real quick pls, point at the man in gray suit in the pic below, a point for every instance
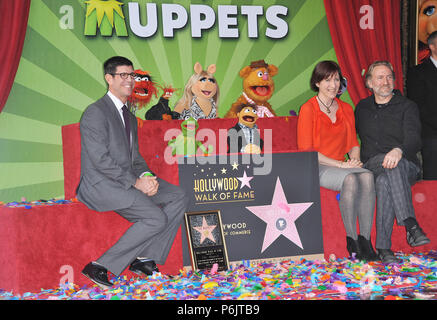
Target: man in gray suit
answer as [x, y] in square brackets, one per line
[115, 177]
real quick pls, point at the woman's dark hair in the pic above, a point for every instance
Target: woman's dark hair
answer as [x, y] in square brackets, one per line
[111, 64]
[323, 70]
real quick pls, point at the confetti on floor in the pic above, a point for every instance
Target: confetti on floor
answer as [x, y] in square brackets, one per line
[341, 279]
[30, 204]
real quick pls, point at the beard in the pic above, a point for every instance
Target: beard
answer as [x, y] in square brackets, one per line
[384, 91]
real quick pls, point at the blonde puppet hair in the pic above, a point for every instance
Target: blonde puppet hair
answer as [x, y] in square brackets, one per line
[187, 97]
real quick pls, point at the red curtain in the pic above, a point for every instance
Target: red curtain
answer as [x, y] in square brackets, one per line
[13, 18]
[357, 47]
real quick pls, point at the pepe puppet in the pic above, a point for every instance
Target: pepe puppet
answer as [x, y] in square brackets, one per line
[161, 110]
[258, 88]
[244, 136]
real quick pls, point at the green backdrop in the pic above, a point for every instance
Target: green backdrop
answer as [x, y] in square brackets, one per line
[60, 74]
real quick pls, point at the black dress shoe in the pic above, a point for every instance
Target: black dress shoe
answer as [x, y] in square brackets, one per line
[387, 256]
[145, 268]
[97, 274]
[366, 248]
[416, 237]
[353, 248]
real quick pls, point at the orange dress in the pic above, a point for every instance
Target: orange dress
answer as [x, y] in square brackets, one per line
[315, 131]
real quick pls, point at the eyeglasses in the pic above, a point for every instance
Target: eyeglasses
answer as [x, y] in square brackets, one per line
[124, 75]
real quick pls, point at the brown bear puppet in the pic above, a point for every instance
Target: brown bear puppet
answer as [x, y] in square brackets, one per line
[258, 87]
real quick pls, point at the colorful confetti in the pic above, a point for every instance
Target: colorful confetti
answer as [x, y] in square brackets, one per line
[341, 279]
[30, 204]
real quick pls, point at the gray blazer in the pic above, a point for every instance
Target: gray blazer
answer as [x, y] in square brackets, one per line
[109, 168]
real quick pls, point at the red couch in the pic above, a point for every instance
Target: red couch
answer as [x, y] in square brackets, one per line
[46, 245]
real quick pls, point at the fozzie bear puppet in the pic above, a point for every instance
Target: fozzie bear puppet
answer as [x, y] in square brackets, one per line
[258, 88]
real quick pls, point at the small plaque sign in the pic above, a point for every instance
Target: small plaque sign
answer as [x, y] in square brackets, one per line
[205, 240]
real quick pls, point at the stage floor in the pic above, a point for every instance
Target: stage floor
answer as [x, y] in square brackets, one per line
[339, 279]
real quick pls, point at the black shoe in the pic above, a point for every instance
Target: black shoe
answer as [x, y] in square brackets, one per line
[416, 237]
[97, 274]
[145, 268]
[353, 248]
[387, 256]
[366, 248]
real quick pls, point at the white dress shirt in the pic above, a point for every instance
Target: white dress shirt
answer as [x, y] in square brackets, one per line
[118, 104]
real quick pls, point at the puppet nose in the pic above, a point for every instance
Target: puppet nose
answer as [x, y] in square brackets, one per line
[265, 76]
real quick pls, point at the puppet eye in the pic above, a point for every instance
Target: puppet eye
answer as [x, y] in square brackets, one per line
[260, 74]
[254, 111]
[137, 79]
[429, 11]
[145, 79]
[247, 110]
[211, 80]
[187, 117]
[203, 79]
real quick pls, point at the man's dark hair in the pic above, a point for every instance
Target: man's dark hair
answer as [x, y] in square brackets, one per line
[244, 105]
[432, 37]
[111, 64]
[323, 70]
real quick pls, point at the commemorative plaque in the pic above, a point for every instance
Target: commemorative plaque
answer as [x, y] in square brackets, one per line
[205, 240]
[267, 215]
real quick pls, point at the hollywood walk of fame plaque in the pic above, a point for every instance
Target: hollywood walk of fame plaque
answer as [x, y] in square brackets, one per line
[268, 215]
[205, 240]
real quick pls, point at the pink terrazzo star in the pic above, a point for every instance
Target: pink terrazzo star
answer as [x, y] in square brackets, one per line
[205, 231]
[280, 217]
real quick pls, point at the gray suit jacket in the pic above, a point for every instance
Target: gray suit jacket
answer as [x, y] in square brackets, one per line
[109, 168]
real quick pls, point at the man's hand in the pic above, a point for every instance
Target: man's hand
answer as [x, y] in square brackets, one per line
[392, 158]
[148, 185]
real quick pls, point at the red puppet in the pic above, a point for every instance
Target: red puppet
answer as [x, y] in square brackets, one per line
[161, 110]
[143, 91]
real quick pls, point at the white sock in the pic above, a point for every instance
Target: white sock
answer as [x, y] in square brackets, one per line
[144, 259]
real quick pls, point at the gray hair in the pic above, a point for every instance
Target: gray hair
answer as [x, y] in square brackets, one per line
[373, 66]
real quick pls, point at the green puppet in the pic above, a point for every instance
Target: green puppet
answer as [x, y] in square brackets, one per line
[186, 143]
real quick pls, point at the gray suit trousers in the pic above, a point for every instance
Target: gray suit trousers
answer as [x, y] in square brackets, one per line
[156, 221]
[393, 193]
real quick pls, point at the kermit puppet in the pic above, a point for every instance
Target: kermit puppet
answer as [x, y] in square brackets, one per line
[186, 143]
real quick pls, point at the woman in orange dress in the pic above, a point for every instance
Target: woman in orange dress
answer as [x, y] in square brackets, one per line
[327, 125]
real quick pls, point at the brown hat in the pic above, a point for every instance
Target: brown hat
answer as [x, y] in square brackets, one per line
[258, 64]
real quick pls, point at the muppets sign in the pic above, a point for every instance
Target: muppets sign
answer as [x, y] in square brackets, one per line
[107, 15]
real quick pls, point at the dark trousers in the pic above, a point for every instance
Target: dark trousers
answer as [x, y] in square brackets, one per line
[156, 221]
[429, 157]
[393, 194]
